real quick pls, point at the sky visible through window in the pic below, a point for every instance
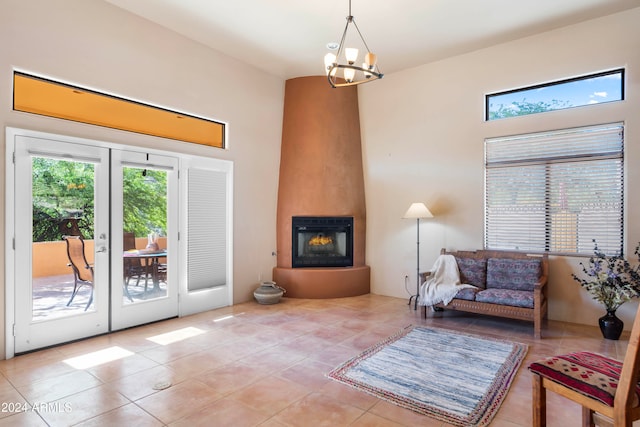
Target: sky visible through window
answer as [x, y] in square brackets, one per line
[589, 90]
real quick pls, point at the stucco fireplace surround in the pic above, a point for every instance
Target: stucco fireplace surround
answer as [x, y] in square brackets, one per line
[321, 175]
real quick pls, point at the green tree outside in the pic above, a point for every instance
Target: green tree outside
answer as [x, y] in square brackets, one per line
[524, 107]
[145, 202]
[62, 194]
[63, 201]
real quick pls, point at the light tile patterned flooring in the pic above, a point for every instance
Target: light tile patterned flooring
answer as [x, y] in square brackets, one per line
[259, 365]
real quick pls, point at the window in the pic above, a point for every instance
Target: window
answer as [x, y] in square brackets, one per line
[576, 92]
[555, 191]
[37, 95]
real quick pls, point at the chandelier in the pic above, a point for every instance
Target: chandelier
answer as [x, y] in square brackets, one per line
[346, 59]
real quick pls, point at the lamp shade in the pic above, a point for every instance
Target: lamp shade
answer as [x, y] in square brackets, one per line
[417, 210]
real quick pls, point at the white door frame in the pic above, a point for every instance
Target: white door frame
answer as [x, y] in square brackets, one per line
[11, 133]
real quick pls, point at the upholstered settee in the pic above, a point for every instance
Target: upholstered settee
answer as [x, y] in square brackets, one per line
[506, 284]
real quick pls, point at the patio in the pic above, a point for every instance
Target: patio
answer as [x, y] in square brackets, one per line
[51, 295]
[53, 281]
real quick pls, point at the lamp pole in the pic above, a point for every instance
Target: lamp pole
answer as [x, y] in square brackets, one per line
[415, 306]
[417, 211]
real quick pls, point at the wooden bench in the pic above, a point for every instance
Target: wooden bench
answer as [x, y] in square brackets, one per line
[509, 284]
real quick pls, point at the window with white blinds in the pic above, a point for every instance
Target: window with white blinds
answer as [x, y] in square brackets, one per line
[556, 192]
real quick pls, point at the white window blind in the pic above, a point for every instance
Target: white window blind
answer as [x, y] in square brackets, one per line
[207, 243]
[556, 191]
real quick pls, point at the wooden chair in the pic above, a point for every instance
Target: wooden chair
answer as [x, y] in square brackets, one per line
[601, 385]
[82, 270]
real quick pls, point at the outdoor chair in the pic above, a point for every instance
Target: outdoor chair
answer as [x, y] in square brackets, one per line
[161, 271]
[603, 386]
[82, 270]
[133, 268]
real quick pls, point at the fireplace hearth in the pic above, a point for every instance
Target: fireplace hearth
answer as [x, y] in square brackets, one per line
[321, 241]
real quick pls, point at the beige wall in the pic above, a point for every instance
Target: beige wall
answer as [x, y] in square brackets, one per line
[423, 133]
[94, 44]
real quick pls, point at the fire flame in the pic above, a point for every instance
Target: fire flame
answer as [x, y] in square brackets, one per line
[320, 240]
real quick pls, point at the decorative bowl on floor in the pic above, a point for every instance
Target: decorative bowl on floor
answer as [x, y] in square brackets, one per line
[268, 293]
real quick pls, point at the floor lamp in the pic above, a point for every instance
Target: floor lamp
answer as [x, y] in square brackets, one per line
[417, 211]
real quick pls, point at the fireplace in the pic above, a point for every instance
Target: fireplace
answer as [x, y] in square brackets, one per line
[321, 176]
[319, 241]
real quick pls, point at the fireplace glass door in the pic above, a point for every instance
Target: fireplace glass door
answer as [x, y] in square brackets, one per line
[322, 242]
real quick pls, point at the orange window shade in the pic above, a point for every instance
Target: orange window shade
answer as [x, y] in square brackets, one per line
[49, 98]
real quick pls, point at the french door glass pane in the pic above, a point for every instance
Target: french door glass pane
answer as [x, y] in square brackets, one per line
[63, 205]
[144, 234]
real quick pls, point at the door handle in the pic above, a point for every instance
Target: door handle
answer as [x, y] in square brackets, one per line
[102, 249]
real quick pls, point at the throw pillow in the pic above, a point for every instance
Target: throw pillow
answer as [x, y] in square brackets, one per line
[518, 274]
[473, 271]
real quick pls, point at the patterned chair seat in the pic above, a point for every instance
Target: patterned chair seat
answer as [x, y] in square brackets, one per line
[589, 374]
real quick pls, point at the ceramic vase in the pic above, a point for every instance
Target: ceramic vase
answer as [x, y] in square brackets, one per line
[152, 242]
[610, 325]
[268, 293]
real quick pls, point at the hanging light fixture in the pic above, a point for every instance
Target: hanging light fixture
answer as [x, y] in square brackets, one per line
[346, 59]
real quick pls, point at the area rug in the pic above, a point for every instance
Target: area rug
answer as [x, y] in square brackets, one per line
[458, 378]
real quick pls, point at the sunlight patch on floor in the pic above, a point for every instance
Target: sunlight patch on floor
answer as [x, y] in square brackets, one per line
[177, 335]
[220, 319]
[99, 357]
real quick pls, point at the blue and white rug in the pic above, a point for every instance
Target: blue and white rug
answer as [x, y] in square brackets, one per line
[454, 377]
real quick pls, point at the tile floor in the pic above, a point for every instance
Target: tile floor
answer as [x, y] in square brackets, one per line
[257, 365]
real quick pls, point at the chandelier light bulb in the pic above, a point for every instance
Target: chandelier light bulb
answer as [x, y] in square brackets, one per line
[329, 60]
[351, 54]
[366, 67]
[370, 59]
[349, 74]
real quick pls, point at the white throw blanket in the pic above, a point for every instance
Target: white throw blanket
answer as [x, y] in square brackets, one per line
[443, 284]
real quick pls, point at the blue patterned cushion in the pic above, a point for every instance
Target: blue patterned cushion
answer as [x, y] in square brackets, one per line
[473, 271]
[468, 294]
[506, 297]
[519, 274]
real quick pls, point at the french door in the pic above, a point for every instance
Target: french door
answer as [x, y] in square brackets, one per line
[144, 194]
[94, 194]
[60, 189]
[154, 245]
